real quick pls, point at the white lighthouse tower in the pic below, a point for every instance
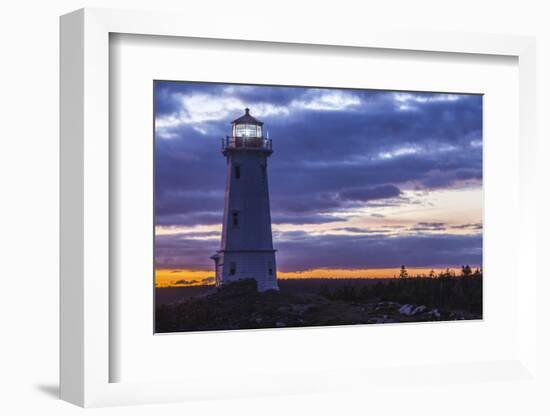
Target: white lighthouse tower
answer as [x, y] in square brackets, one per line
[247, 245]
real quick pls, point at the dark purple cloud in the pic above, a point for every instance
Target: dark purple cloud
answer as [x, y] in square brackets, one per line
[368, 194]
[305, 219]
[429, 226]
[182, 252]
[473, 226]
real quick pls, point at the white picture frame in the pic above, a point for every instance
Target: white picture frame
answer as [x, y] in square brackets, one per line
[85, 219]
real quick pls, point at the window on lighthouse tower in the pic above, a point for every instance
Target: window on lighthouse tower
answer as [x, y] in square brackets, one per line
[235, 218]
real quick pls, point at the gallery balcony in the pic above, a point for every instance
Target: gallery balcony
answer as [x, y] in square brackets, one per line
[246, 143]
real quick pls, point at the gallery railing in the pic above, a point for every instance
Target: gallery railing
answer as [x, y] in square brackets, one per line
[244, 142]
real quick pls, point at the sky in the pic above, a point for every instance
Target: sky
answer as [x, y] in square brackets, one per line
[361, 181]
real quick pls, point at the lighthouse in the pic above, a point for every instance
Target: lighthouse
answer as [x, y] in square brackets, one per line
[246, 250]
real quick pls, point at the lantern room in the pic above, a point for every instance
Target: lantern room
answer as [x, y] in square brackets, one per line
[247, 134]
[247, 126]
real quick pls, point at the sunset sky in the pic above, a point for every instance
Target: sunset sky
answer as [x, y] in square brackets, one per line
[360, 181]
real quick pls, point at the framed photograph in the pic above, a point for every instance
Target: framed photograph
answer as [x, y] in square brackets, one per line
[304, 214]
[341, 207]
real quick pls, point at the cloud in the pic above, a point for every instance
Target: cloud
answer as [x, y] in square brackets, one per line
[186, 282]
[471, 226]
[176, 251]
[198, 110]
[407, 101]
[326, 100]
[405, 97]
[305, 219]
[368, 194]
[191, 219]
[429, 226]
[400, 151]
[362, 230]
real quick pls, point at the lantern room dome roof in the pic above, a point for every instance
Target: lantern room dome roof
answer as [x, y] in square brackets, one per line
[247, 119]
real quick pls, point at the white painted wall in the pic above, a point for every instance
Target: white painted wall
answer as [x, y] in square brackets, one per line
[29, 210]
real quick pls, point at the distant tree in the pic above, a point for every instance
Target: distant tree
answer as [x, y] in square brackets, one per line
[446, 274]
[477, 273]
[403, 274]
[432, 274]
[466, 271]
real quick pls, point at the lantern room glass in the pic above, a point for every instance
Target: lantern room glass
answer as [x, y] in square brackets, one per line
[247, 130]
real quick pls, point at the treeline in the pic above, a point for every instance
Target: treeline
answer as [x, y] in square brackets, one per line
[445, 290]
[466, 271]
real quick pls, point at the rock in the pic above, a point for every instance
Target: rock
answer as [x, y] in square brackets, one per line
[419, 309]
[300, 309]
[411, 310]
[239, 288]
[406, 309]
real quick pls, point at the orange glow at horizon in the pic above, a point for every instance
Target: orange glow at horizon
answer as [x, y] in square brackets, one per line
[179, 277]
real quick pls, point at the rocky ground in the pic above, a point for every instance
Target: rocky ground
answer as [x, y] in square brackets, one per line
[240, 306]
